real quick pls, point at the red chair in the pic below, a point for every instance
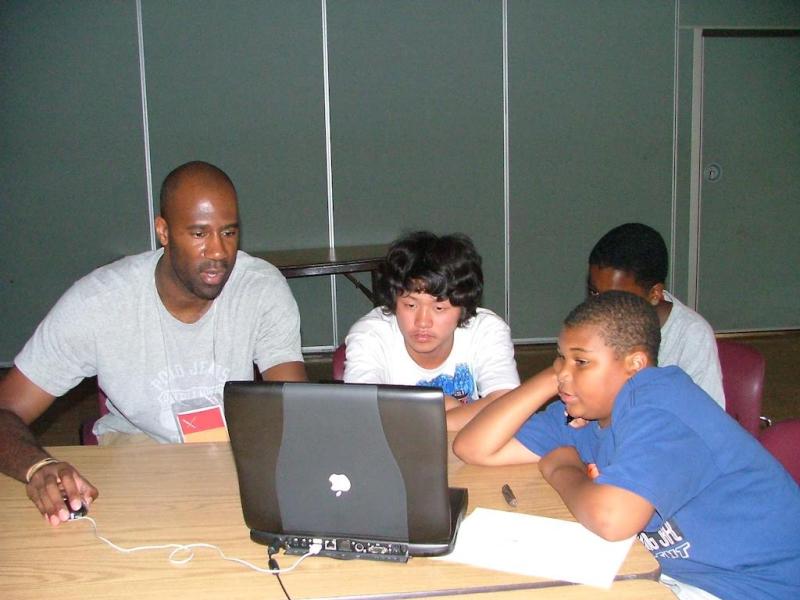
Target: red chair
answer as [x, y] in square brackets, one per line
[782, 439]
[743, 383]
[339, 357]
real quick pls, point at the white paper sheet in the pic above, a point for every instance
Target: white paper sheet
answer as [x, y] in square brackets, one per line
[537, 546]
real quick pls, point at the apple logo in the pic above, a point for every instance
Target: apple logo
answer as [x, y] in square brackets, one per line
[339, 483]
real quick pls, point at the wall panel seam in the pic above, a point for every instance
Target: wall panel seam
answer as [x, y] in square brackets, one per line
[675, 108]
[145, 125]
[695, 170]
[506, 175]
[328, 166]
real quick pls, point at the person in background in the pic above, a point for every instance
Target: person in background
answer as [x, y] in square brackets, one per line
[657, 457]
[429, 330]
[162, 331]
[633, 258]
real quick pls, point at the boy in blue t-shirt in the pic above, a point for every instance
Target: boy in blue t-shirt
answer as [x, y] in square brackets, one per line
[658, 458]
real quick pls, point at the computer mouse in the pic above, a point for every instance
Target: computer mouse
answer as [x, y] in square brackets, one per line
[75, 514]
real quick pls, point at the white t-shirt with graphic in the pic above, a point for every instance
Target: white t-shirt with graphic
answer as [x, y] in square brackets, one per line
[480, 362]
[112, 324]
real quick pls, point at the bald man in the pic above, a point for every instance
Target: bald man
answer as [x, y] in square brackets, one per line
[162, 331]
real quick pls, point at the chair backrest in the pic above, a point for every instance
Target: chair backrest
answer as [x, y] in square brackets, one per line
[782, 439]
[339, 356]
[743, 382]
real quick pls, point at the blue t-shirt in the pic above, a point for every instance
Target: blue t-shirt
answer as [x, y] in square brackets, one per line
[727, 515]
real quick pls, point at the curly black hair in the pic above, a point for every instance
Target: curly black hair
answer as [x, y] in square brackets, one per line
[447, 267]
[626, 321]
[635, 248]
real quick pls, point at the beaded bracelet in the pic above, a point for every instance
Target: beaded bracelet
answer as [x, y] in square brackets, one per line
[38, 465]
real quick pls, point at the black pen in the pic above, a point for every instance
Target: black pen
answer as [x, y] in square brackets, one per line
[508, 494]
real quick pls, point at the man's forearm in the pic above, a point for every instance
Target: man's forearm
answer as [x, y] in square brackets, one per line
[18, 446]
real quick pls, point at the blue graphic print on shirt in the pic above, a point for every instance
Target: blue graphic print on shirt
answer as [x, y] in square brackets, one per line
[460, 385]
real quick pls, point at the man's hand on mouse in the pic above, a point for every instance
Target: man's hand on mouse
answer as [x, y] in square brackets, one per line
[58, 488]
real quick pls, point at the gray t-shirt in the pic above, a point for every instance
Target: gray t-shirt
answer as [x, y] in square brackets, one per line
[112, 324]
[687, 340]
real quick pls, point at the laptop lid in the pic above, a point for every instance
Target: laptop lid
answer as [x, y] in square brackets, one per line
[361, 468]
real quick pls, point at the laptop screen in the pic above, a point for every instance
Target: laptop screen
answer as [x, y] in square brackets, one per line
[347, 463]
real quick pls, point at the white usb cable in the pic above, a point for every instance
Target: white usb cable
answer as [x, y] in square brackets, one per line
[315, 548]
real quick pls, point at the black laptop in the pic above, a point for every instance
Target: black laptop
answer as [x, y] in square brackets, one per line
[360, 469]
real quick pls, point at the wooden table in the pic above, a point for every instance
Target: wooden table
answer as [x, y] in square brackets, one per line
[189, 493]
[343, 260]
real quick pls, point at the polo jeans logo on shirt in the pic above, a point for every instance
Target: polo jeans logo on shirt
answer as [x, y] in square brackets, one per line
[199, 378]
[162, 380]
[667, 542]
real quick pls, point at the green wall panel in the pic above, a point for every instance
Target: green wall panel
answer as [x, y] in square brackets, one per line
[416, 126]
[243, 89]
[749, 246]
[739, 13]
[591, 120]
[72, 176]
[416, 109]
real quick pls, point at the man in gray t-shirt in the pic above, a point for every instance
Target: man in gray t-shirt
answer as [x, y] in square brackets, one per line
[162, 331]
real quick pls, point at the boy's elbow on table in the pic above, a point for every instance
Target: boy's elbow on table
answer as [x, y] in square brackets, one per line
[615, 522]
[470, 452]
[613, 532]
[464, 450]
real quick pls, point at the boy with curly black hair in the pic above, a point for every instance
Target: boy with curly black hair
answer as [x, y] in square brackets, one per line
[429, 330]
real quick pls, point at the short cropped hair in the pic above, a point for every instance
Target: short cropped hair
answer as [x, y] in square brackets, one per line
[192, 168]
[627, 322]
[635, 248]
[447, 267]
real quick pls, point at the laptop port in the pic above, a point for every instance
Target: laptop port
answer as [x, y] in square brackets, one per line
[330, 544]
